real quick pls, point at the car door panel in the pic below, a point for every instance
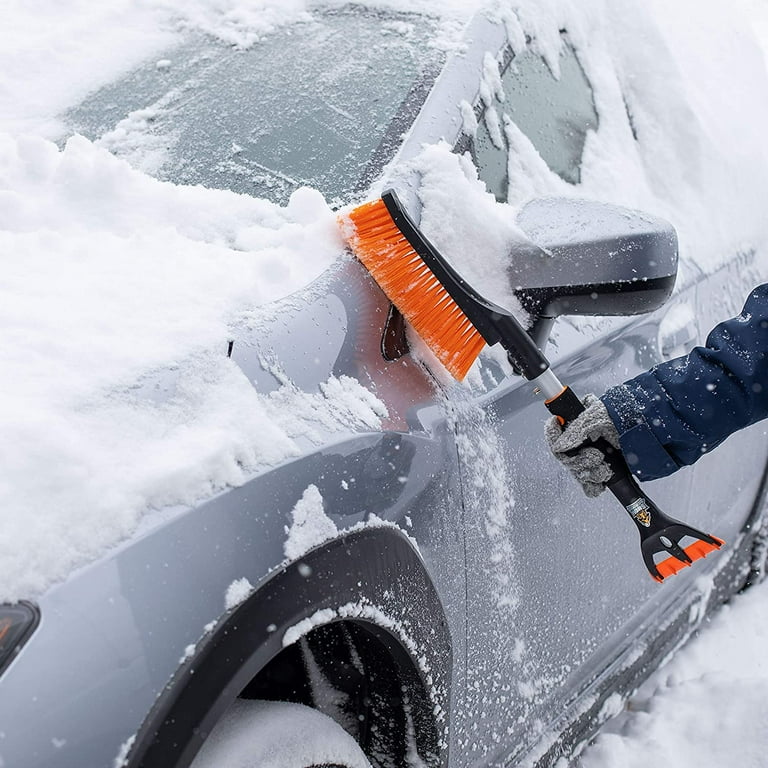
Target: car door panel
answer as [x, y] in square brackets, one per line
[556, 581]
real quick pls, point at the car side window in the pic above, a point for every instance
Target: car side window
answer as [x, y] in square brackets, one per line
[554, 113]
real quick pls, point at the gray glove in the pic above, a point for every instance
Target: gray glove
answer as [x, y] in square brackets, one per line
[571, 445]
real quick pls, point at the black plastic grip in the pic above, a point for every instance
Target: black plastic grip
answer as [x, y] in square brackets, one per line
[622, 485]
[566, 405]
[521, 350]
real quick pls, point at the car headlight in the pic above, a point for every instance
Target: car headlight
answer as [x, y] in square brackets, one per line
[17, 622]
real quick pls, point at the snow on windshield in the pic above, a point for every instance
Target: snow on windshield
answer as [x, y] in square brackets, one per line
[263, 121]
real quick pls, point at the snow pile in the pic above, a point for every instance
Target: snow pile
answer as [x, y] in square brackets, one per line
[707, 708]
[238, 22]
[277, 734]
[244, 23]
[111, 280]
[312, 415]
[466, 224]
[237, 592]
[53, 53]
[310, 525]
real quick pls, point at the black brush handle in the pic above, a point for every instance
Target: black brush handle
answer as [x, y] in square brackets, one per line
[526, 357]
[659, 534]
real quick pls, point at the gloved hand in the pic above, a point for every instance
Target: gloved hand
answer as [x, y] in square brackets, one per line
[571, 445]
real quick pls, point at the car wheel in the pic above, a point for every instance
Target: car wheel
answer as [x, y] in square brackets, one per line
[277, 734]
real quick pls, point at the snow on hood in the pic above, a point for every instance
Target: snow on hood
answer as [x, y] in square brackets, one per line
[109, 276]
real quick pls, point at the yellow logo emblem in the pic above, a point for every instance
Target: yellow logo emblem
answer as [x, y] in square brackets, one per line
[641, 512]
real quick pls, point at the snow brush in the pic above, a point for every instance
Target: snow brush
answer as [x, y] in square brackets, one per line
[456, 323]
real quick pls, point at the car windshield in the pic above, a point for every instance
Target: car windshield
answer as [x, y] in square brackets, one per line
[322, 103]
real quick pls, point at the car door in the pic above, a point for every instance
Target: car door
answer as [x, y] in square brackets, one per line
[556, 586]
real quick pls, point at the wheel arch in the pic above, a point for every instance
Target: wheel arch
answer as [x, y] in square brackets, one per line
[372, 577]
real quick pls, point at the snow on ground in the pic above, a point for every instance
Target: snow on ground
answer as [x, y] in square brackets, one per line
[109, 276]
[705, 709]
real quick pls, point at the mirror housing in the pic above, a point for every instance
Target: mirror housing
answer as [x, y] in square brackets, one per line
[593, 258]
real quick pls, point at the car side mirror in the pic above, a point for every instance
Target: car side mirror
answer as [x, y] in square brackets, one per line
[591, 258]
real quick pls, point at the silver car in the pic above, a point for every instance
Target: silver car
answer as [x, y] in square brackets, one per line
[432, 590]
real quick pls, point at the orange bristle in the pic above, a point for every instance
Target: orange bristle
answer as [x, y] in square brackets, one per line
[412, 288]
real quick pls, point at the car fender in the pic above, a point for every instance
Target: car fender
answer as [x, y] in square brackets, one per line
[372, 575]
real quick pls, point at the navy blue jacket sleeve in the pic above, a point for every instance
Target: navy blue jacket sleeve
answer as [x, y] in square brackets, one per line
[670, 415]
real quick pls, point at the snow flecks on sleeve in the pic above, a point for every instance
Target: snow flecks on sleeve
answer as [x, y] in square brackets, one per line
[310, 525]
[237, 592]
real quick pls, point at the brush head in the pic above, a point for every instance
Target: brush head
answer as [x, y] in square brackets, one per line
[412, 287]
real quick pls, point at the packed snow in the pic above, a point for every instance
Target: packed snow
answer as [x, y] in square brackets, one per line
[277, 735]
[111, 278]
[237, 592]
[117, 279]
[310, 525]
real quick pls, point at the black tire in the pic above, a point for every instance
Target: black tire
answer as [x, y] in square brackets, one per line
[276, 734]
